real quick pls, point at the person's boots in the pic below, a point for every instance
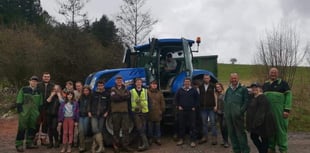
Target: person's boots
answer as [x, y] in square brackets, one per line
[82, 142]
[69, 148]
[271, 151]
[214, 140]
[99, 141]
[116, 144]
[145, 144]
[125, 146]
[20, 148]
[157, 141]
[204, 139]
[116, 148]
[150, 141]
[56, 144]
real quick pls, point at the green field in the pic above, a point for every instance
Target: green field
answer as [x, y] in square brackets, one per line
[300, 113]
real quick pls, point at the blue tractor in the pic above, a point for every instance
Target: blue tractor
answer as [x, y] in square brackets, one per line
[146, 62]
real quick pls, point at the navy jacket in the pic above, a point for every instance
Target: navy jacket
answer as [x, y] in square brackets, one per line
[187, 99]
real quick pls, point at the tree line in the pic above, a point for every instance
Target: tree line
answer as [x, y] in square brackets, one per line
[32, 42]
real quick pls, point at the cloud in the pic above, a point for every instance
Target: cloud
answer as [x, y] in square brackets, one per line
[227, 28]
[301, 7]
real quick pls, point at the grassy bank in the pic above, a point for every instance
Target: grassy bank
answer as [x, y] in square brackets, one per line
[300, 113]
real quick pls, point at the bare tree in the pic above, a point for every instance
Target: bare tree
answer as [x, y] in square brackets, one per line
[134, 24]
[281, 49]
[72, 10]
[233, 60]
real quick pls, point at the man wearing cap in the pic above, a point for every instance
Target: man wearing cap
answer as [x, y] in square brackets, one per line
[29, 100]
[236, 99]
[120, 106]
[279, 95]
[259, 119]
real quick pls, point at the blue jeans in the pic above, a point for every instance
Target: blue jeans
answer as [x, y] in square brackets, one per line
[205, 114]
[154, 129]
[97, 124]
[83, 125]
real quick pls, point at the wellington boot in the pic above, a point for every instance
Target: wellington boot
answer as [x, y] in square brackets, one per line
[99, 140]
[20, 149]
[145, 144]
[82, 143]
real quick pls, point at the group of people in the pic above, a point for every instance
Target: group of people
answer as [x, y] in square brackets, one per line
[65, 114]
[262, 110]
[267, 109]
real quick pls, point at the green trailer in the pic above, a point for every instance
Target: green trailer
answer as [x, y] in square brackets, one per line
[206, 63]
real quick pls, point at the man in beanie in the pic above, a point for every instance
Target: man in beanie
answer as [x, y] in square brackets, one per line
[29, 101]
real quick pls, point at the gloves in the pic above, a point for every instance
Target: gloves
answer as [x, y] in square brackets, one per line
[19, 108]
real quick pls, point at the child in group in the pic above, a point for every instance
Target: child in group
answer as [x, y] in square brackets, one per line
[68, 116]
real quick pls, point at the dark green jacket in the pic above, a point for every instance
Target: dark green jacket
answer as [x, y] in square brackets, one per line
[236, 100]
[29, 101]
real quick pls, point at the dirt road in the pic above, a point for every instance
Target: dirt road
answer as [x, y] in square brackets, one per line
[298, 143]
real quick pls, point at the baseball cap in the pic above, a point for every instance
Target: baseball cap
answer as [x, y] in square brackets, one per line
[34, 78]
[255, 84]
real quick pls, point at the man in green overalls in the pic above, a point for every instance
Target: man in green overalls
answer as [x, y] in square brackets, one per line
[280, 97]
[236, 99]
[29, 100]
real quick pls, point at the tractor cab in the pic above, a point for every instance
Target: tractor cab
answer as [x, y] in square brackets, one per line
[164, 59]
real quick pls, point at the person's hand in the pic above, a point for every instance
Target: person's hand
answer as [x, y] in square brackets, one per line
[105, 114]
[53, 93]
[215, 109]
[19, 108]
[286, 114]
[75, 124]
[193, 109]
[59, 128]
[180, 108]
[89, 114]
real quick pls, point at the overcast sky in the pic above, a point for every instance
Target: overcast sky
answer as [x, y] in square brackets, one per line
[228, 28]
